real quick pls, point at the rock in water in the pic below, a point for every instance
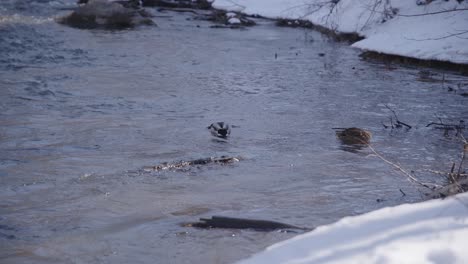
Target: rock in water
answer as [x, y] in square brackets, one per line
[105, 14]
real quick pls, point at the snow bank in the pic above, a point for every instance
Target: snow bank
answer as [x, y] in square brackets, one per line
[386, 27]
[435, 231]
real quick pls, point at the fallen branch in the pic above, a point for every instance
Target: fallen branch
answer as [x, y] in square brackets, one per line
[398, 123]
[458, 180]
[242, 223]
[184, 164]
[433, 13]
[447, 127]
[445, 173]
[402, 192]
[465, 150]
[448, 190]
[411, 178]
[462, 32]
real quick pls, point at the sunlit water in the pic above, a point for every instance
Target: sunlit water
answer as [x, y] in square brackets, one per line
[82, 111]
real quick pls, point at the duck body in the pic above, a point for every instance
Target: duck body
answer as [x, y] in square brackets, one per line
[353, 135]
[220, 129]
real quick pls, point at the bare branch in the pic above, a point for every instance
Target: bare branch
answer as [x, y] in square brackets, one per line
[465, 150]
[434, 13]
[449, 189]
[445, 173]
[430, 186]
[443, 37]
[398, 123]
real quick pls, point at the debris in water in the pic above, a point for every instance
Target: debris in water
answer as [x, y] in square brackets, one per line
[242, 223]
[183, 164]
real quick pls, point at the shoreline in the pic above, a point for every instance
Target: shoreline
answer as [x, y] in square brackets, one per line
[409, 233]
[295, 19]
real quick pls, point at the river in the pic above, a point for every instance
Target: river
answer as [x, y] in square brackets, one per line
[82, 111]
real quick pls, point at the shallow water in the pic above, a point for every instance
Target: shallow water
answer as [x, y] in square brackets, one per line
[82, 111]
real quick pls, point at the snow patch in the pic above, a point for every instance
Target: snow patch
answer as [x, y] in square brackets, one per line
[230, 14]
[435, 231]
[234, 20]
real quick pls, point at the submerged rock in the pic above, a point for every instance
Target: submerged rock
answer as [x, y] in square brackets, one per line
[105, 14]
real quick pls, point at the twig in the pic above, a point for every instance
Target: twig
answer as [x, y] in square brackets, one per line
[465, 150]
[402, 192]
[430, 186]
[237, 4]
[455, 179]
[435, 13]
[398, 122]
[452, 178]
[449, 189]
[463, 32]
[445, 173]
[428, 14]
[404, 124]
[458, 128]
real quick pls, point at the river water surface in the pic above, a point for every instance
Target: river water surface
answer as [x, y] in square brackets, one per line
[82, 111]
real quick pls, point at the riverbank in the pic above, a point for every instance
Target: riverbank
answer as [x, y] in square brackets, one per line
[402, 28]
[435, 231]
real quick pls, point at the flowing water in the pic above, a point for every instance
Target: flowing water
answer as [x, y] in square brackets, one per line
[82, 111]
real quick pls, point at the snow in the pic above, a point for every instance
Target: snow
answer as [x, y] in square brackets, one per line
[385, 27]
[435, 232]
[230, 14]
[234, 20]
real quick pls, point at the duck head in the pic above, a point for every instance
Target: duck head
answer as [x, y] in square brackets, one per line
[220, 129]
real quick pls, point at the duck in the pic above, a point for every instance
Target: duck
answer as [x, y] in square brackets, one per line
[220, 129]
[353, 135]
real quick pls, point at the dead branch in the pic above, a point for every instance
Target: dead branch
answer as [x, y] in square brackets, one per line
[465, 150]
[242, 223]
[237, 4]
[317, 6]
[402, 192]
[395, 13]
[462, 32]
[434, 13]
[446, 174]
[458, 180]
[388, 11]
[449, 189]
[398, 123]
[447, 127]
[411, 178]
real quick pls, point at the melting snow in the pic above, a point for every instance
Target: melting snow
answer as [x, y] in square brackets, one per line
[435, 232]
